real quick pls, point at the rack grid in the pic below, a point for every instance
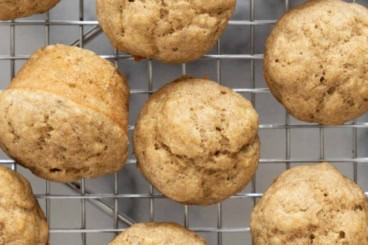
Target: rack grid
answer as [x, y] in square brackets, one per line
[110, 202]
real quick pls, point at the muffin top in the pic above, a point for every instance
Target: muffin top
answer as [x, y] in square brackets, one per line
[157, 234]
[168, 31]
[197, 141]
[316, 61]
[23, 8]
[311, 204]
[80, 76]
[21, 219]
[65, 115]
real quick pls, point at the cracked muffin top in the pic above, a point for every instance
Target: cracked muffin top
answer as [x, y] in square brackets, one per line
[165, 30]
[65, 115]
[157, 234]
[311, 204]
[21, 218]
[316, 61]
[197, 141]
[23, 8]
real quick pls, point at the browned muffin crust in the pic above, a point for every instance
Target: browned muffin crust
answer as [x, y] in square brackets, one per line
[316, 61]
[197, 141]
[13, 9]
[65, 115]
[158, 234]
[21, 218]
[311, 204]
[168, 31]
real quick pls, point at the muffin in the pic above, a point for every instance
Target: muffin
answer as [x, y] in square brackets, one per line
[65, 115]
[316, 61]
[23, 8]
[21, 218]
[312, 204]
[197, 141]
[168, 31]
[157, 233]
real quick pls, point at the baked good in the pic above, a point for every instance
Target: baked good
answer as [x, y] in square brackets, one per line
[315, 61]
[157, 233]
[65, 115]
[21, 218]
[23, 8]
[197, 141]
[311, 204]
[168, 31]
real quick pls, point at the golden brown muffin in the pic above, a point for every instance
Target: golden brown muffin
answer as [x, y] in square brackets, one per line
[312, 204]
[197, 141]
[157, 234]
[316, 61]
[168, 31]
[21, 218]
[65, 115]
[23, 8]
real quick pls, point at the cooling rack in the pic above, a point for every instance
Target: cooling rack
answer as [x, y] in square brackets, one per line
[94, 211]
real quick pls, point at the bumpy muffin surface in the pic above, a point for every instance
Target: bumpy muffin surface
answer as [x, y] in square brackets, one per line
[65, 115]
[311, 204]
[157, 234]
[23, 8]
[21, 218]
[165, 30]
[197, 142]
[316, 61]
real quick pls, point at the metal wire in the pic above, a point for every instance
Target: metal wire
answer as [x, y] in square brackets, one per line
[96, 198]
[83, 182]
[87, 23]
[129, 57]
[115, 216]
[48, 184]
[151, 189]
[196, 229]
[219, 206]
[262, 160]
[186, 207]
[103, 200]
[287, 118]
[253, 78]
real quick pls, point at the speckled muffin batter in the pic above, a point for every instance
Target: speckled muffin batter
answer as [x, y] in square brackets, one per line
[65, 115]
[311, 204]
[21, 218]
[165, 30]
[316, 61]
[197, 141]
[12, 9]
[157, 234]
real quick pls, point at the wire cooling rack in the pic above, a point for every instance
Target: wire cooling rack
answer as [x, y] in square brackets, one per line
[94, 211]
